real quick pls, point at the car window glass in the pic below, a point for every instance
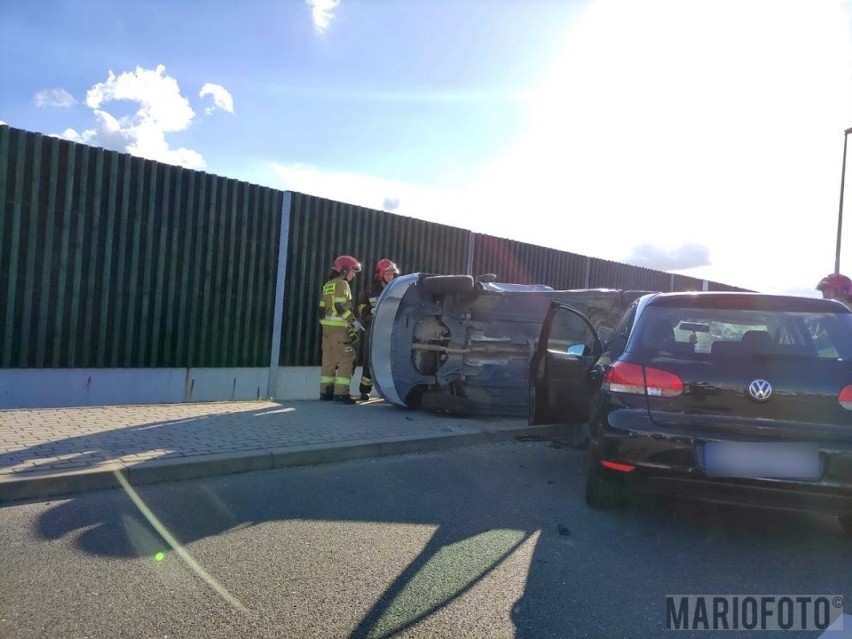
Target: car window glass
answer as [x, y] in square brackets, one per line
[822, 340]
[701, 332]
[567, 331]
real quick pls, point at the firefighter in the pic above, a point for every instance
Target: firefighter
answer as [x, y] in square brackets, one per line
[836, 287]
[385, 272]
[339, 335]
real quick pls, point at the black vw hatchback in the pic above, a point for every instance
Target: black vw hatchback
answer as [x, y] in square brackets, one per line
[733, 397]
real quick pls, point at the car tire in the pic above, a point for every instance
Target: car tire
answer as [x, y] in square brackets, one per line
[447, 284]
[845, 522]
[604, 492]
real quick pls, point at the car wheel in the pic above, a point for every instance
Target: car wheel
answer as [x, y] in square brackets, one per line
[845, 521]
[604, 492]
[447, 284]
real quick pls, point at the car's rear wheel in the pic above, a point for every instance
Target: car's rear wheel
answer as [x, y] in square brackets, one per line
[845, 521]
[603, 491]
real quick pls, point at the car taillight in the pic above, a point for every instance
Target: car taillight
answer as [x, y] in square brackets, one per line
[626, 377]
[662, 383]
[845, 397]
[622, 468]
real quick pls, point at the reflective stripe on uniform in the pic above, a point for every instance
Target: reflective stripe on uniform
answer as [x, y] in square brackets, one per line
[326, 379]
[335, 306]
[342, 380]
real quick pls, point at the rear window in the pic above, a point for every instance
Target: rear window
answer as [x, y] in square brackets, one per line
[707, 332]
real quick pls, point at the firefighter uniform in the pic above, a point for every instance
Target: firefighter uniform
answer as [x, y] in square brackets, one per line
[366, 304]
[338, 338]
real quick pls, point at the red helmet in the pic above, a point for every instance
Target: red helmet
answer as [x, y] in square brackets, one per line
[345, 264]
[384, 265]
[841, 283]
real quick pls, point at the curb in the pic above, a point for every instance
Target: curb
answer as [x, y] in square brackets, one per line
[105, 476]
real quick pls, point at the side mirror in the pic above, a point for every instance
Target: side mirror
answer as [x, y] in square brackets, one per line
[580, 350]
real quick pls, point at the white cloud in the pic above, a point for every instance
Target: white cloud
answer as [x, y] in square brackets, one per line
[222, 99]
[162, 109]
[54, 98]
[322, 12]
[158, 95]
[679, 258]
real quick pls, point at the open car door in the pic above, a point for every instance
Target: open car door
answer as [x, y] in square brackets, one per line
[561, 381]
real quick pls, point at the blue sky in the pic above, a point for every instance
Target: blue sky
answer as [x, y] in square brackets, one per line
[695, 137]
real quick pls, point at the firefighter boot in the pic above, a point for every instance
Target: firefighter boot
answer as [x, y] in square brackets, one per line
[328, 394]
[344, 399]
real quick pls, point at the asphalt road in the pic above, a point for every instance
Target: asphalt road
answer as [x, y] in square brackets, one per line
[489, 541]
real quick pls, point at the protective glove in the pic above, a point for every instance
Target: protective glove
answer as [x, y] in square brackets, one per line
[352, 333]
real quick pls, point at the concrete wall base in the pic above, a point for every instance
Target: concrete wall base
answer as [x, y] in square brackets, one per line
[58, 387]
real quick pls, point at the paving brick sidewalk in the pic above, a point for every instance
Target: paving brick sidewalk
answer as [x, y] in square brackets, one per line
[55, 451]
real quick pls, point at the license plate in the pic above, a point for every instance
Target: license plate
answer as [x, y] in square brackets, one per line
[770, 460]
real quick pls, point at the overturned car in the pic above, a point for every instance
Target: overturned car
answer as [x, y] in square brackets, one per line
[463, 345]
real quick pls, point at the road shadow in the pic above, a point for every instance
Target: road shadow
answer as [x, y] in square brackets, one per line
[606, 571]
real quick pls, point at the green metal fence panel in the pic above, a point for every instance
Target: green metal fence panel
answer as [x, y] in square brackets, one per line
[109, 260]
[520, 263]
[725, 288]
[685, 283]
[606, 274]
[322, 229]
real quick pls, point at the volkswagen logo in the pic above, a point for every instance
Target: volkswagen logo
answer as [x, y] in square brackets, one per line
[760, 390]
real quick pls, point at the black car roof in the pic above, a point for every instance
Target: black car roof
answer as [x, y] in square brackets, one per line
[746, 301]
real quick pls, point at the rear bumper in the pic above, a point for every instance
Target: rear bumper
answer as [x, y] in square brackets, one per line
[756, 493]
[671, 462]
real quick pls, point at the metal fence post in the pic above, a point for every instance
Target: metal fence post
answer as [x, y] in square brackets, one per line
[278, 314]
[471, 244]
